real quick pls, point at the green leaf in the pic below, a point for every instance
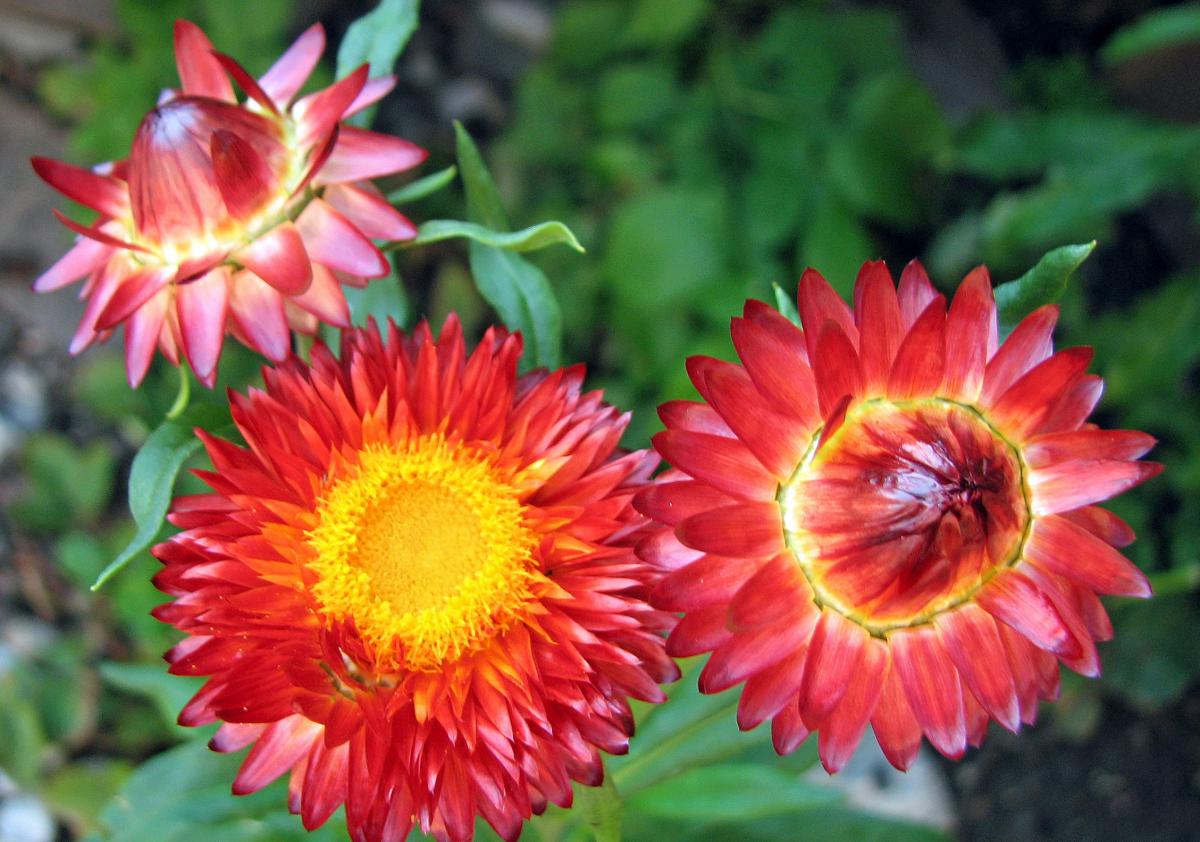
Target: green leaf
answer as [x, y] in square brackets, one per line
[381, 299]
[1043, 284]
[66, 484]
[169, 693]
[182, 795]
[483, 198]
[79, 791]
[694, 730]
[655, 23]
[378, 37]
[786, 305]
[527, 239]
[519, 291]
[423, 187]
[1153, 31]
[152, 478]
[522, 295]
[731, 792]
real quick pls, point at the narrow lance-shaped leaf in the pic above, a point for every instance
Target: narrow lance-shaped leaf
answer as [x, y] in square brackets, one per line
[527, 239]
[423, 187]
[378, 37]
[1043, 284]
[152, 478]
[518, 290]
[786, 305]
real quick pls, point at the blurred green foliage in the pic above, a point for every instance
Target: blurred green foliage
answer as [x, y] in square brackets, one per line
[703, 152]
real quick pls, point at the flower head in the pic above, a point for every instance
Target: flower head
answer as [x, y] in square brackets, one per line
[226, 216]
[415, 589]
[889, 517]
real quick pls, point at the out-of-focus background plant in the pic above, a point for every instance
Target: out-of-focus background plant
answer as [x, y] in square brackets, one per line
[702, 152]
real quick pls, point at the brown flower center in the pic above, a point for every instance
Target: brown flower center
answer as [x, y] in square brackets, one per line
[905, 510]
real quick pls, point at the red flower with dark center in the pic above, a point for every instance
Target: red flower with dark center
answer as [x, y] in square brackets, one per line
[415, 590]
[246, 217]
[889, 517]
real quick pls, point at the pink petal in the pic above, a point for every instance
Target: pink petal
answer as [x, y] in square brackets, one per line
[290, 71]
[895, 727]
[370, 212]
[777, 591]
[1070, 485]
[97, 234]
[102, 193]
[920, 360]
[843, 728]
[710, 580]
[317, 113]
[331, 239]
[787, 729]
[1012, 598]
[141, 335]
[375, 90]
[768, 691]
[1028, 344]
[1023, 406]
[199, 71]
[973, 643]
[280, 259]
[243, 177]
[725, 464]
[915, 293]
[133, 291]
[836, 651]
[202, 305]
[84, 258]
[324, 298]
[881, 327]
[257, 311]
[1086, 445]
[1103, 524]
[361, 154]
[775, 355]
[246, 81]
[838, 372]
[670, 502]
[744, 529]
[971, 332]
[775, 439]
[1062, 547]
[748, 653]
[819, 303]
[282, 745]
[931, 684]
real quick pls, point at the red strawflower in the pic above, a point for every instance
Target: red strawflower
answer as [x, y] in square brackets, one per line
[888, 517]
[415, 589]
[244, 217]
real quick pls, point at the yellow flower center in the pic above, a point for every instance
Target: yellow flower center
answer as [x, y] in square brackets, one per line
[906, 511]
[425, 548]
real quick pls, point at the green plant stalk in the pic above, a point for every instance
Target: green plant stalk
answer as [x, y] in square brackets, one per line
[183, 396]
[602, 808]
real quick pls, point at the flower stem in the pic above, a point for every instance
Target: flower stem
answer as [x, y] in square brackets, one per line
[601, 808]
[183, 396]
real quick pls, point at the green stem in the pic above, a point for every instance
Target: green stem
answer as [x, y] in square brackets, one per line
[304, 344]
[1177, 580]
[601, 807]
[183, 396]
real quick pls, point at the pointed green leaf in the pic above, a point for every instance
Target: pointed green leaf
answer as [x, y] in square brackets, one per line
[731, 792]
[423, 187]
[483, 198]
[152, 478]
[522, 296]
[527, 239]
[1043, 284]
[785, 305]
[377, 38]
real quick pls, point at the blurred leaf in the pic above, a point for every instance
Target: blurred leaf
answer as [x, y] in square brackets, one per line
[587, 31]
[423, 187]
[658, 24]
[693, 730]
[732, 792]
[519, 291]
[1152, 31]
[66, 484]
[377, 38]
[183, 795]
[835, 244]
[169, 693]
[824, 823]
[527, 239]
[523, 297]
[381, 299]
[1151, 661]
[786, 305]
[1043, 284]
[153, 476]
[21, 735]
[484, 205]
[78, 792]
[632, 96]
